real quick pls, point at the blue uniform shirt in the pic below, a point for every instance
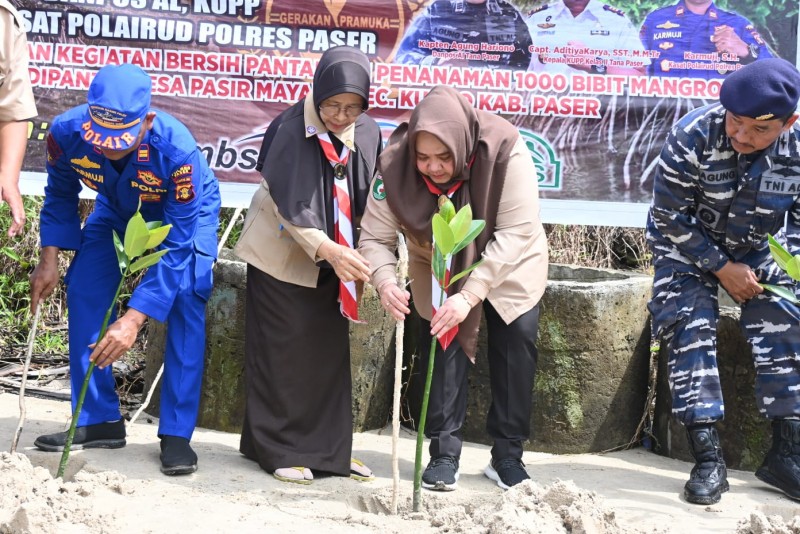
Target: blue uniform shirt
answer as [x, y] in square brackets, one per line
[166, 173]
[683, 40]
[711, 205]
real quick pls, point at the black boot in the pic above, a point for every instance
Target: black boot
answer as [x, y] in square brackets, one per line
[781, 466]
[709, 477]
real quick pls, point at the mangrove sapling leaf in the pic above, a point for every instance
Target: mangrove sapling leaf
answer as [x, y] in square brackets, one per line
[152, 225]
[157, 236]
[139, 237]
[442, 234]
[460, 223]
[136, 236]
[793, 268]
[446, 208]
[781, 256]
[147, 261]
[475, 228]
[438, 265]
[445, 225]
[782, 291]
[464, 273]
[119, 248]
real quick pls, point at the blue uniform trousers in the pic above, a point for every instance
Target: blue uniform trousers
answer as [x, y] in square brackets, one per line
[91, 281]
[685, 315]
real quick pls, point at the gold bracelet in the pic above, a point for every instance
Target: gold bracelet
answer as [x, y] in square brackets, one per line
[464, 296]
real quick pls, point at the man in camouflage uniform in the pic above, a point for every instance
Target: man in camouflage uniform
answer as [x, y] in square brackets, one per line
[729, 175]
[487, 33]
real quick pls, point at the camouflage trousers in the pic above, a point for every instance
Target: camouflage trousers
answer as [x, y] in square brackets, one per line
[685, 313]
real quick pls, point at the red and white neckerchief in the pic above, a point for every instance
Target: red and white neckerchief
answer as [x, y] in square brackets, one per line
[439, 293]
[342, 219]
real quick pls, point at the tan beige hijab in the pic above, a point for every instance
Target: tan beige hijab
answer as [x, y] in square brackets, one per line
[481, 144]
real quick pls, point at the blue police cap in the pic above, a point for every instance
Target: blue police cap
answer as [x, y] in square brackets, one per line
[119, 99]
[763, 90]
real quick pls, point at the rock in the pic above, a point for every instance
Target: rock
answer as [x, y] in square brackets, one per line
[223, 396]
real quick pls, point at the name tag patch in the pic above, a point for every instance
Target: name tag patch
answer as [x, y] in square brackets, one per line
[720, 176]
[779, 185]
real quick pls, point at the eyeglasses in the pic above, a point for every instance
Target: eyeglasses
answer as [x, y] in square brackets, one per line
[332, 110]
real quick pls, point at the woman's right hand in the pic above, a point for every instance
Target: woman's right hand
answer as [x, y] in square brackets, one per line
[347, 262]
[394, 300]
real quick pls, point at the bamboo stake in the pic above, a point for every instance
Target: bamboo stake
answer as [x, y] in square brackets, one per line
[149, 396]
[402, 274]
[22, 408]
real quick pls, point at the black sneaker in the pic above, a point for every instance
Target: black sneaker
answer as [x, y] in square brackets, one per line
[177, 456]
[506, 472]
[99, 436]
[441, 474]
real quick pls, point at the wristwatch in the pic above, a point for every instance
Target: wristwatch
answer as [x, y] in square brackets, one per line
[753, 50]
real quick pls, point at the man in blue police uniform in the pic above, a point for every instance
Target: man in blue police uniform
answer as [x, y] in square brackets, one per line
[585, 35]
[475, 33]
[729, 175]
[696, 39]
[130, 155]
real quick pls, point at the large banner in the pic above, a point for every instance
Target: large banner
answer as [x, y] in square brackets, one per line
[592, 87]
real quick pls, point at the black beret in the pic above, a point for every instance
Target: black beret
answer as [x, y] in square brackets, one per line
[763, 90]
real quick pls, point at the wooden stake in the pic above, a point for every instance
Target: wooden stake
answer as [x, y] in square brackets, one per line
[22, 410]
[402, 274]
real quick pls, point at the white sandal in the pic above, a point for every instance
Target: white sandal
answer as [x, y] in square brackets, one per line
[360, 472]
[296, 475]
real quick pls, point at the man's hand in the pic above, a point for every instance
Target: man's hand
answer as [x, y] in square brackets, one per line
[394, 300]
[726, 40]
[347, 262]
[739, 281]
[119, 338]
[44, 277]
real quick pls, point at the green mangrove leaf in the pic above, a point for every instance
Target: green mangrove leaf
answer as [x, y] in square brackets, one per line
[438, 266]
[464, 273]
[781, 291]
[147, 261]
[475, 228]
[781, 256]
[461, 223]
[443, 235]
[157, 236]
[152, 225]
[793, 268]
[136, 236]
[446, 208]
[119, 248]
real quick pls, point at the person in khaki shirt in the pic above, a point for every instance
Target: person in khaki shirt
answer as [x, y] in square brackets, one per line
[16, 107]
[476, 158]
[317, 159]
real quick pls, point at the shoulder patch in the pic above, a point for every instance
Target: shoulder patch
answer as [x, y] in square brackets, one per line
[378, 191]
[614, 10]
[184, 193]
[540, 8]
[53, 149]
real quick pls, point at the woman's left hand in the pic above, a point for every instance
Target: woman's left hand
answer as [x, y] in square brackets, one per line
[452, 313]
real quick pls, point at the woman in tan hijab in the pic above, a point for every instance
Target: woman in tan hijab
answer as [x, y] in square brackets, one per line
[449, 148]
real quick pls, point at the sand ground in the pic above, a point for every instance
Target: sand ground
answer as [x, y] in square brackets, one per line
[231, 494]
